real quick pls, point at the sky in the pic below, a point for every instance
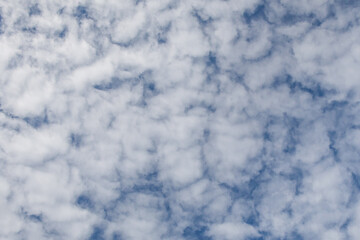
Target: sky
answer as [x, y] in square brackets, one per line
[169, 119]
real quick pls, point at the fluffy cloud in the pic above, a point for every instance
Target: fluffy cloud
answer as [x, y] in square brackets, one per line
[179, 119]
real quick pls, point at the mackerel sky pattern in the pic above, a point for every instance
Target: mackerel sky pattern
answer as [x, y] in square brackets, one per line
[169, 119]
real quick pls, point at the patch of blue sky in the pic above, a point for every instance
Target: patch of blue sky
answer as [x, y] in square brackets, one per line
[333, 137]
[81, 12]
[85, 202]
[149, 90]
[76, 139]
[212, 63]
[348, 3]
[196, 232]
[31, 30]
[149, 188]
[202, 20]
[35, 218]
[113, 84]
[117, 236]
[293, 18]
[335, 106]
[296, 175]
[1, 24]
[255, 15]
[63, 32]
[34, 10]
[293, 133]
[38, 218]
[210, 108]
[162, 35]
[356, 181]
[314, 89]
[37, 121]
[98, 233]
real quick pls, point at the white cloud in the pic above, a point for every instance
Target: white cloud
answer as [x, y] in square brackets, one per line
[231, 231]
[179, 119]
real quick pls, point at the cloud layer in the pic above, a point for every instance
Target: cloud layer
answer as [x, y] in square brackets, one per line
[179, 119]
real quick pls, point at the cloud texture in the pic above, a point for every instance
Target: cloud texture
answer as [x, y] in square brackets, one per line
[166, 119]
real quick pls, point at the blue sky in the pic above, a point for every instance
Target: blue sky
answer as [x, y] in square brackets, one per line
[166, 119]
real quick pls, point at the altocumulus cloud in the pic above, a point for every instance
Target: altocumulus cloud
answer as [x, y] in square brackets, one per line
[167, 119]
